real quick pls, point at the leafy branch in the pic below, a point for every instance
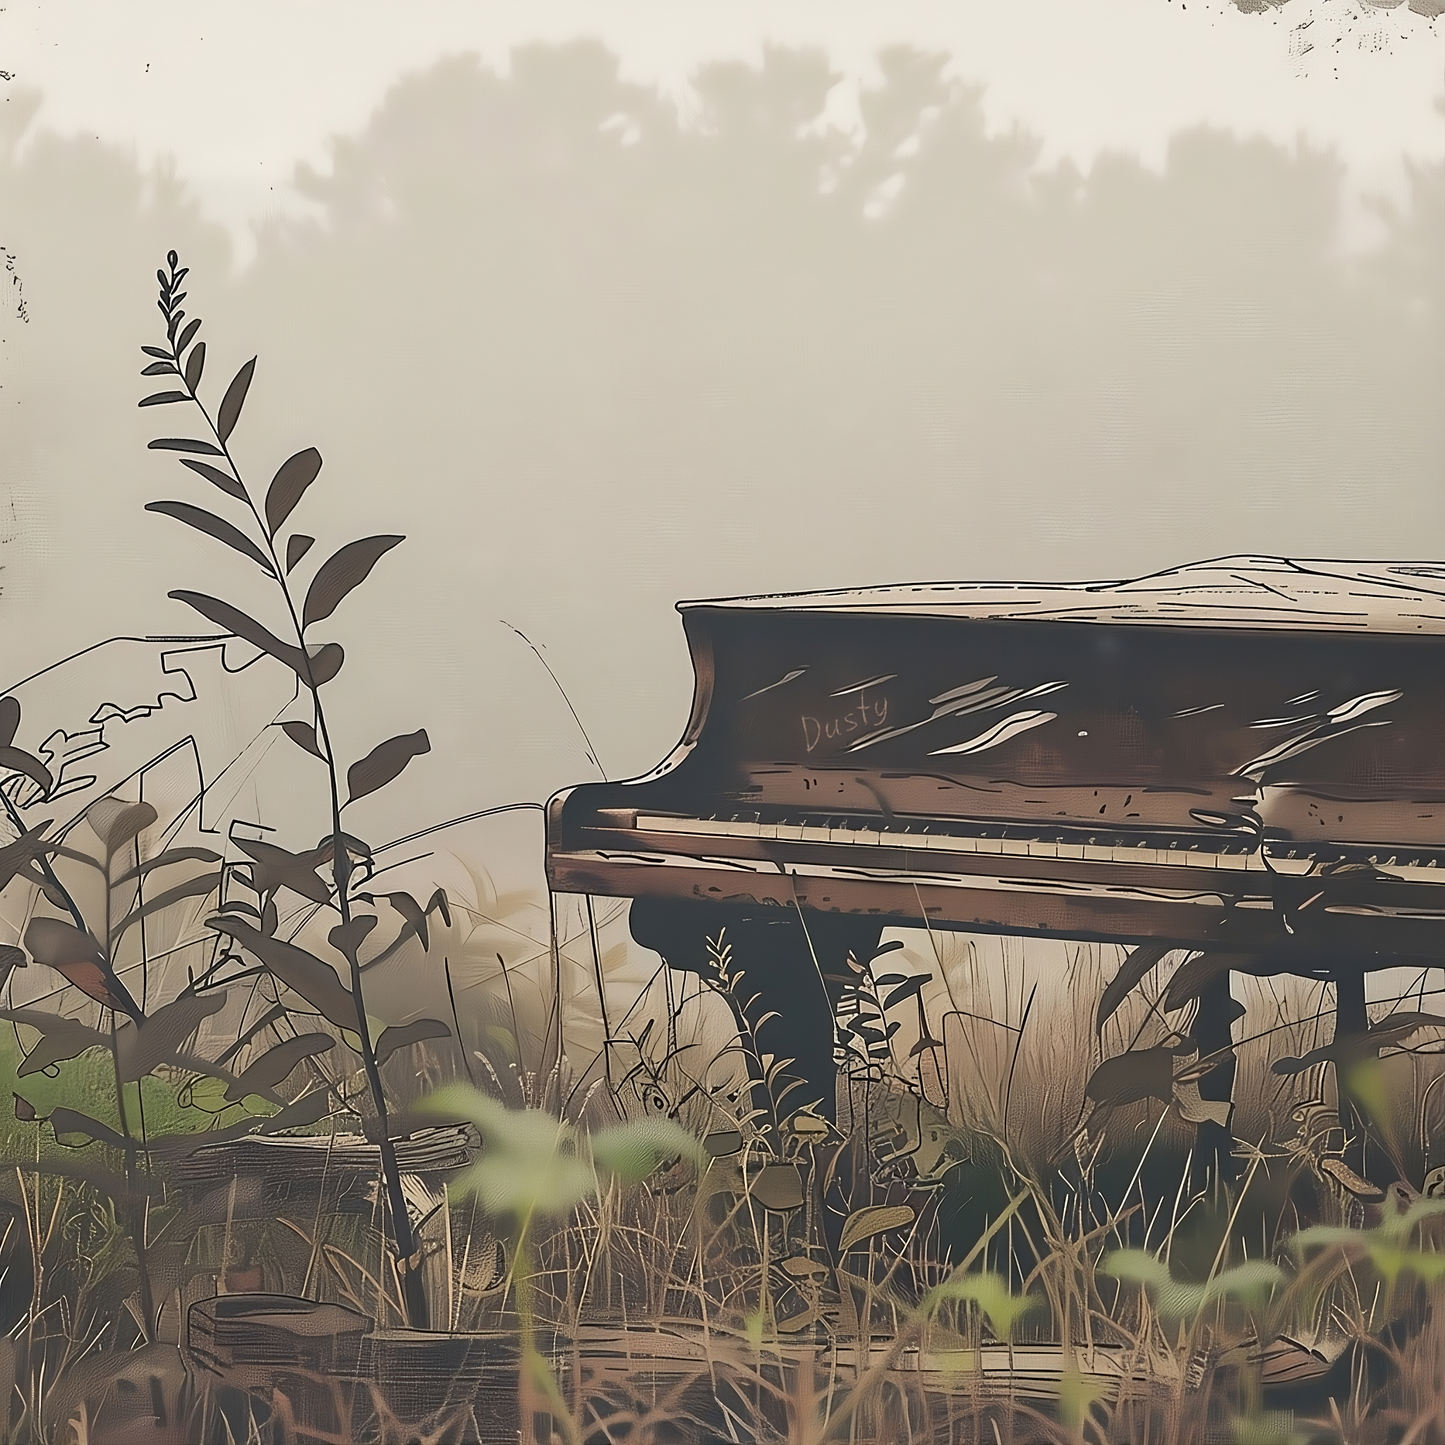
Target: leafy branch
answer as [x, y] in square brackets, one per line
[263, 540]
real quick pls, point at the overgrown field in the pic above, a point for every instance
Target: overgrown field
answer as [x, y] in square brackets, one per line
[564, 1194]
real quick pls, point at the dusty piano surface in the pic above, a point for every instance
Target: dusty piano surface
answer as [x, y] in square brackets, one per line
[1245, 755]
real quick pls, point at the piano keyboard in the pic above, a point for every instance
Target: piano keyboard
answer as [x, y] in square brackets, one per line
[1237, 854]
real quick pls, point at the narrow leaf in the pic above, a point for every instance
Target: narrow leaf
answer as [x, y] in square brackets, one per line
[185, 444]
[217, 527]
[304, 736]
[263, 1074]
[201, 886]
[1138, 1074]
[875, 1219]
[19, 761]
[228, 484]
[140, 1047]
[341, 572]
[437, 903]
[233, 400]
[75, 1130]
[410, 910]
[162, 398]
[1131, 974]
[384, 762]
[61, 1038]
[302, 972]
[157, 351]
[399, 1036]
[307, 1110]
[298, 544]
[159, 368]
[187, 334]
[233, 620]
[288, 486]
[276, 867]
[76, 955]
[9, 720]
[164, 860]
[19, 856]
[195, 364]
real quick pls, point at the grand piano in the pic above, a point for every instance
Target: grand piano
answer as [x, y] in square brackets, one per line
[1244, 756]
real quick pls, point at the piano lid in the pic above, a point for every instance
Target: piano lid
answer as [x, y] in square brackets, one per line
[1252, 593]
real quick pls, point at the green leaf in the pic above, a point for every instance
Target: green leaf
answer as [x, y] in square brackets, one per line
[990, 1293]
[76, 955]
[1174, 1299]
[413, 912]
[384, 762]
[217, 527]
[278, 868]
[634, 1150]
[21, 854]
[529, 1162]
[287, 488]
[312, 669]
[340, 573]
[326, 663]
[234, 399]
[233, 620]
[11, 958]
[348, 937]
[908, 989]
[227, 483]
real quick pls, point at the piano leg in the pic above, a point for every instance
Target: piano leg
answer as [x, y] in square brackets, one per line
[1365, 1155]
[795, 963]
[1214, 1160]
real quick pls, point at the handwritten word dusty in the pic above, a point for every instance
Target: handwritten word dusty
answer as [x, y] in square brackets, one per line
[865, 713]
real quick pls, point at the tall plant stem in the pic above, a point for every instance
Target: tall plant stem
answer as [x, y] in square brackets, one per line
[414, 1299]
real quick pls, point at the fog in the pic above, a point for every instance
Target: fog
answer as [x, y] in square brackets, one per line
[591, 360]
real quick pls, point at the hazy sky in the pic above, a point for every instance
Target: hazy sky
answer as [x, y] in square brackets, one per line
[237, 95]
[735, 297]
